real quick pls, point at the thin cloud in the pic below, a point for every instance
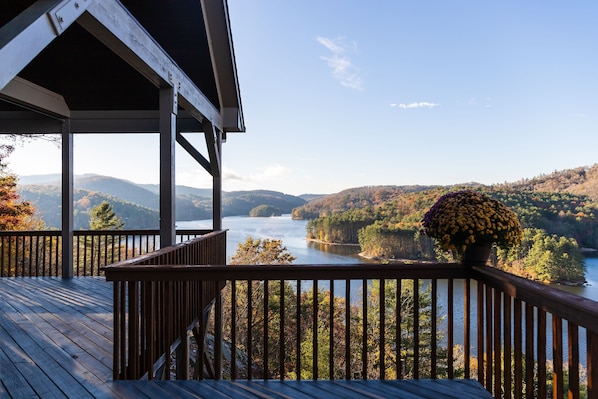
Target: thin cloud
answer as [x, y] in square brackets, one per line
[267, 174]
[341, 65]
[422, 104]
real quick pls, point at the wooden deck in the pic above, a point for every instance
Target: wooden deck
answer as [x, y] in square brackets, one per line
[56, 342]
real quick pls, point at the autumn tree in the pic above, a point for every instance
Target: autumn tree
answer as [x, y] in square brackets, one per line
[14, 213]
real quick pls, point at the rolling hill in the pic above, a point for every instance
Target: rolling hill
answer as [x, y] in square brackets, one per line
[138, 204]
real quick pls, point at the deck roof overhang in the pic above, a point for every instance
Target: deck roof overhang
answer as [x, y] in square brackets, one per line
[106, 61]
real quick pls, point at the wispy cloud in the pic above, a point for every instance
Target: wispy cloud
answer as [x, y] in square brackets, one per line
[422, 104]
[263, 176]
[339, 62]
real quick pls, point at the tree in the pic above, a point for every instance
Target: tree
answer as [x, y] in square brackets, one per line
[265, 211]
[103, 249]
[103, 217]
[14, 214]
[258, 306]
[262, 252]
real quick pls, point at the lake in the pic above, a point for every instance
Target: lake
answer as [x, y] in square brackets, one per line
[293, 233]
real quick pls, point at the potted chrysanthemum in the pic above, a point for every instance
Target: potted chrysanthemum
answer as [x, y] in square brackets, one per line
[467, 223]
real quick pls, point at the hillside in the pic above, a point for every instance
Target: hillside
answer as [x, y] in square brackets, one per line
[138, 204]
[579, 181]
[46, 199]
[353, 198]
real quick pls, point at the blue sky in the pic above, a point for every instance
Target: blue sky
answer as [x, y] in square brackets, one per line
[339, 94]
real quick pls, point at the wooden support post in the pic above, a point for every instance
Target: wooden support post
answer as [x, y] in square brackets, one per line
[214, 144]
[67, 200]
[168, 112]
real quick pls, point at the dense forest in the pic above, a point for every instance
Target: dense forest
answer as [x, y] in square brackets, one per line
[557, 212]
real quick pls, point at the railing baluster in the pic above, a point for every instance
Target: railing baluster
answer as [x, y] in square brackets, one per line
[541, 380]
[489, 331]
[529, 351]
[331, 333]
[450, 328]
[573, 351]
[467, 327]
[557, 358]
[233, 329]
[518, 349]
[382, 340]
[433, 342]
[507, 346]
[281, 332]
[249, 344]
[480, 307]
[348, 329]
[416, 344]
[314, 352]
[218, 332]
[497, 344]
[399, 361]
[364, 336]
[265, 330]
[592, 359]
[298, 332]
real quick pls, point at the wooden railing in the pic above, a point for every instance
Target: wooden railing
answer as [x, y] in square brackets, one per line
[156, 307]
[317, 322]
[39, 253]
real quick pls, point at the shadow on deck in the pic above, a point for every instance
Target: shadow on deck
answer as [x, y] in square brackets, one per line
[57, 342]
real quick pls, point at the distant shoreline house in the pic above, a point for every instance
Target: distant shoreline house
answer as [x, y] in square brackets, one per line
[76, 67]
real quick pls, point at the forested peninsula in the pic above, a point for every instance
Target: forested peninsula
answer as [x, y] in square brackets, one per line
[557, 212]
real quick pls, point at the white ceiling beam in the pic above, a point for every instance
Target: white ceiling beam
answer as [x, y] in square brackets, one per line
[114, 26]
[35, 97]
[24, 37]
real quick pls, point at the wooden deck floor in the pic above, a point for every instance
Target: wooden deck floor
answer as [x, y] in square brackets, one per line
[56, 342]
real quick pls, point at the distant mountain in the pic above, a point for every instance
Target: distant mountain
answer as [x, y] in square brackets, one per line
[181, 190]
[138, 204]
[47, 202]
[123, 189]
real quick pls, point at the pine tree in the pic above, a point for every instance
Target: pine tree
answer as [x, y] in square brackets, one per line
[103, 217]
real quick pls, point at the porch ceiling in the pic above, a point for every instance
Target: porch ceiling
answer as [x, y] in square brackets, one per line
[93, 76]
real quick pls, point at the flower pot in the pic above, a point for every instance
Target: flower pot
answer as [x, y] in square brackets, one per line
[476, 254]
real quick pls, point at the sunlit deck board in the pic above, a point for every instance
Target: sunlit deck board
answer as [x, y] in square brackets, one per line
[56, 342]
[258, 389]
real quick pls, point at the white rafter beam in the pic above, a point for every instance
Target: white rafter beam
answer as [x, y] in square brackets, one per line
[35, 97]
[114, 26]
[24, 37]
